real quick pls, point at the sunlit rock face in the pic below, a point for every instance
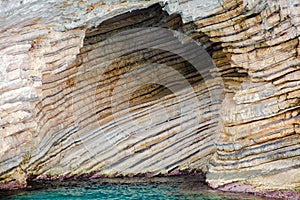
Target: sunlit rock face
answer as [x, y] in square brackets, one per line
[135, 87]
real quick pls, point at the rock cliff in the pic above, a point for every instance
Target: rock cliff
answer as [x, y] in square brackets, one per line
[151, 87]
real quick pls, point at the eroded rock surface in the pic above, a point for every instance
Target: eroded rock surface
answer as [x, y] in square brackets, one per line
[88, 87]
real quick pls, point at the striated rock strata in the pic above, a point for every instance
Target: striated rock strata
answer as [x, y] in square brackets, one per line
[126, 88]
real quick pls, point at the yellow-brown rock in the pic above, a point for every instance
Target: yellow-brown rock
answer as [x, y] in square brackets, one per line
[113, 88]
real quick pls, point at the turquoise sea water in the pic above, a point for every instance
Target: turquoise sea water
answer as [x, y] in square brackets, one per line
[164, 188]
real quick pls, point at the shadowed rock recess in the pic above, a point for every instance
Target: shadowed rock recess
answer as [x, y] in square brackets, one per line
[110, 88]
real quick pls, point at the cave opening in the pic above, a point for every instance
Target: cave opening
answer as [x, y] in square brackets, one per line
[148, 93]
[127, 89]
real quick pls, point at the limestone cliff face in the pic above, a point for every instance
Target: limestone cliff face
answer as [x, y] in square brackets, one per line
[88, 87]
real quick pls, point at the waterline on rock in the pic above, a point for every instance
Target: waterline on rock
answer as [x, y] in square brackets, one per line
[179, 187]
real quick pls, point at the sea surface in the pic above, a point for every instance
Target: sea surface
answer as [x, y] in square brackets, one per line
[164, 188]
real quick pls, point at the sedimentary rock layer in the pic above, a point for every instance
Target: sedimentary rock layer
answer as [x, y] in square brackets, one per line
[119, 98]
[87, 86]
[259, 143]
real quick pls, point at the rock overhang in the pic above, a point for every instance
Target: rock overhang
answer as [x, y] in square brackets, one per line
[244, 38]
